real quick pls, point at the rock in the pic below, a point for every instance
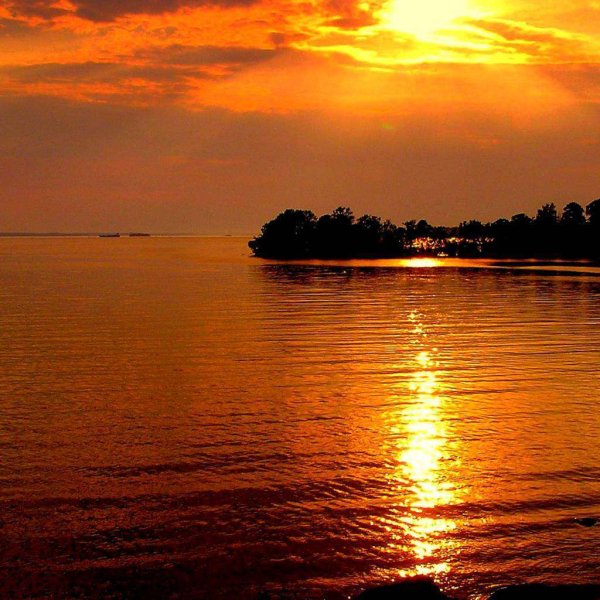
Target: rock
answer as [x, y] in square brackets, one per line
[539, 591]
[415, 588]
[587, 521]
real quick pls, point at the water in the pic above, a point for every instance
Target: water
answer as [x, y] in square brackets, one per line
[180, 420]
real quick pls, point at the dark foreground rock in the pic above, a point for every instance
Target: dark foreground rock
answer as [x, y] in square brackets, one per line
[423, 588]
[415, 588]
[534, 591]
[587, 521]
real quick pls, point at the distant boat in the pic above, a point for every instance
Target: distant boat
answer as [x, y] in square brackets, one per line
[139, 235]
[109, 235]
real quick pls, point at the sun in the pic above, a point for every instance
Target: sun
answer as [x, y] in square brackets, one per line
[423, 17]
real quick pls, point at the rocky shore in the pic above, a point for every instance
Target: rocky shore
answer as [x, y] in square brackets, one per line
[423, 588]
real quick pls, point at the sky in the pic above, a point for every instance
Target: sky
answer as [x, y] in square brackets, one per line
[211, 117]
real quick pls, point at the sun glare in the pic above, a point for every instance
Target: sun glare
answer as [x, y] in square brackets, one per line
[423, 263]
[425, 17]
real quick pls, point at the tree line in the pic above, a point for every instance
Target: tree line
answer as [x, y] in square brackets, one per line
[293, 234]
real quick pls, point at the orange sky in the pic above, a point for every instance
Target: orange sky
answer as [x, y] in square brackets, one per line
[191, 115]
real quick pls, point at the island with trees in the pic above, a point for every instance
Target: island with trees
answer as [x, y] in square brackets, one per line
[299, 234]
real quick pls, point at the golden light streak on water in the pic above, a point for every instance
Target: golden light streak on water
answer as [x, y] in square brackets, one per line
[420, 453]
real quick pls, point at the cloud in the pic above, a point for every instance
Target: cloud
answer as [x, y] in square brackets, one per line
[86, 73]
[148, 76]
[99, 82]
[536, 44]
[109, 10]
[348, 14]
[160, 65]
[45, 9]
[180, 55]
[15, 28]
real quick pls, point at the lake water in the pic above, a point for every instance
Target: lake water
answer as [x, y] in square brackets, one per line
[180, 420]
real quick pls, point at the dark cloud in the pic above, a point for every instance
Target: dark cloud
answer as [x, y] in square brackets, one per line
[348, 14]
[109, 10]
[15, 28]
[164, 66]
[33, 8]
[105, 82]
[87, 72]
[278, 38]
[179, 55]
[354, 22]
[149, 77]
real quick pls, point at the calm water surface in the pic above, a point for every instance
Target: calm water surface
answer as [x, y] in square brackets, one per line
[179, 420]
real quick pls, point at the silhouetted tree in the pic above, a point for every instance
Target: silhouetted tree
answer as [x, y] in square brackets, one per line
[471, 234]
[423, 229]
[499, 233]
[393, 239]
[287, 236]
[545, 231]
[343, 214]
[573, 215]
[574, 232]
[368, 235]
[593, 212]
[521, 235]
[440, 233]
[334, 234]
[298, 234]
[411, 229]
[547, 216]
[472, 230]
[501, 226]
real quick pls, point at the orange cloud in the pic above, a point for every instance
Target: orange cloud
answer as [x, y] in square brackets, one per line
[287, 55]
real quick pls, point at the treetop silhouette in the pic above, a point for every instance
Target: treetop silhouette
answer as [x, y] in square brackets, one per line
[297, 234]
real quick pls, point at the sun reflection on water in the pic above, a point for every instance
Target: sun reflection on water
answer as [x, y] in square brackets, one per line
[422, 263]
[421, 477]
